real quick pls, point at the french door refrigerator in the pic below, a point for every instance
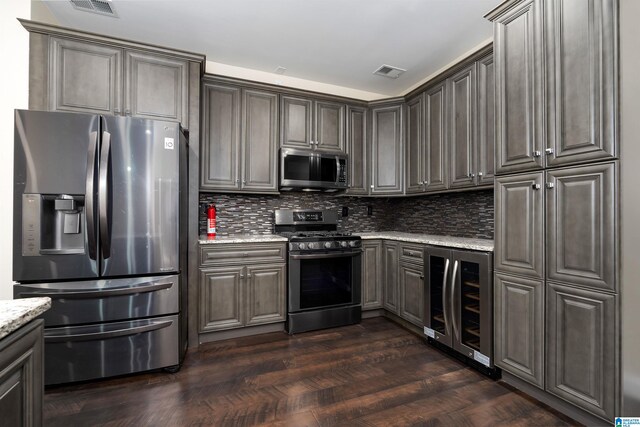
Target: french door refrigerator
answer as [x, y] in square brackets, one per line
[97, 227]
[458, 301]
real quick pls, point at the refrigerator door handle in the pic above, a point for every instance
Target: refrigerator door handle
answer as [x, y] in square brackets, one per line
[99, 293]
[89, 195]
[453, 291]
[108, 334]
[103, 194]
[444, 297]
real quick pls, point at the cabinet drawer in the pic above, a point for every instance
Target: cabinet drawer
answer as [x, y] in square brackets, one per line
[239, 254]
[411, 253]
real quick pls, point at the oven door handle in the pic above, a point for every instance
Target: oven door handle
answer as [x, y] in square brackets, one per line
[324, 256]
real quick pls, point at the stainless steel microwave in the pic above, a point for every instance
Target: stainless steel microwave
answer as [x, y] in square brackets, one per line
[308, 170]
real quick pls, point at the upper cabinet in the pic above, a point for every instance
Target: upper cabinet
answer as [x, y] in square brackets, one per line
[387, 157]
[556, 83]
[240, 134]
[357, 150]
[435, 134]
[94, 78]
[486, 121]
[416, 158]
[312, 124]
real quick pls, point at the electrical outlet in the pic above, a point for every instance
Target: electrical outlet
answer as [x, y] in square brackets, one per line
[369, 210]
[345, 211]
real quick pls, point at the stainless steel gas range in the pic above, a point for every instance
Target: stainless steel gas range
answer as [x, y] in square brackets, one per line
[324, 276]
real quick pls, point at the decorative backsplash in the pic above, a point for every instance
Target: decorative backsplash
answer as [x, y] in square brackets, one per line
[468, 214]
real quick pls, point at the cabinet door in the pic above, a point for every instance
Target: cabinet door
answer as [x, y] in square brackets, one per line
[221, 133]
[581, 226]
[387, 160]
[582, 348]
[486, 124]
[266, 290]
[329, 126]
[221, 298]
[21, 376]
[583, 81]
[357, 150]
[416, 159]
[411, 283]
[156, 87]
[519, 327]
[372, 279]
[84, 77]
[296, 122]
[462, 128]
[519, 88]
[519, 215]
[259, 141]
[435, 137]
[390, 251]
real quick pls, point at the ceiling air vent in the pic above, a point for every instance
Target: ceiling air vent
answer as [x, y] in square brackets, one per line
[389, 71]
[102, 7]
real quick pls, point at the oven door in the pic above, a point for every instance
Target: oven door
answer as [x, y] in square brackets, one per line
[323, 280]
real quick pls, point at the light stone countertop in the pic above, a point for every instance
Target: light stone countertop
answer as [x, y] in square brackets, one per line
[15, 313]
[431, 239]
[242, 238]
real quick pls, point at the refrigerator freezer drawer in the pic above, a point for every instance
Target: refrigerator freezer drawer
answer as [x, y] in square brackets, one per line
[80, 353]
[96, 301]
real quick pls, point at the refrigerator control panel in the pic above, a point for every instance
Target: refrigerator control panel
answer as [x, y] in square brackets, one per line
[31, 207]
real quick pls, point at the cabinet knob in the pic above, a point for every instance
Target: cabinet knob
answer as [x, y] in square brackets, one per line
[472, 175]
[242, 276]
[245, 254]
[421, 277]
[127, 112]
[549, 151]
[244, 181]
[372, 186]
[550, 185]
[536, 153]
[535, 186]
[237, 181]
[480, 174]
[248, 275]
[116, 111]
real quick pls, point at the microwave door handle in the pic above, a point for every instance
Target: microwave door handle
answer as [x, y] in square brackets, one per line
[337, 170]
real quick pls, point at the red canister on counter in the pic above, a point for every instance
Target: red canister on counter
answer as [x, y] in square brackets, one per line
[211, 221]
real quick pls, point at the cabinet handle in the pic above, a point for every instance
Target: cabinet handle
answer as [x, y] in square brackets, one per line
[372, 186]
[248, 275]
[549, 151]
[550, 185]
[245, 254]
[480, 174]
[242, 276]
[535, 186]
[244, 181]
[536, 153]
[472, 175]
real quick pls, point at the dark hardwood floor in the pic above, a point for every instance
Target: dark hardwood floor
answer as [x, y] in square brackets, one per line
[371, 374]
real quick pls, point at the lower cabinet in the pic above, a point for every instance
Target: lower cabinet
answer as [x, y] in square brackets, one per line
[581, 348]
[519, 327]
[239, 292]
[371, 274]
[22, 376]
[411, 292]
[390, 259]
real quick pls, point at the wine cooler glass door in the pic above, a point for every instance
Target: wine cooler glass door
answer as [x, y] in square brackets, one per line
[438, 268]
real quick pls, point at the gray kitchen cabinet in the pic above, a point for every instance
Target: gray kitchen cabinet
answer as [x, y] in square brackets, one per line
[519, 222]
[415, 157]
[518, 53]
[582, 79]
[259, 141]
[372, 274]
[312, 124]
[461, 138]
[156, 87]
[390, 255]
[219, 168]
[357, 150]
[387, 152]
[84, 77]
[582, 238]
[519, 327]
[22, 376]
[435, 138]
[486, 126]
[239, 150]
[221, 298]
[241, 285]
[411, 284]
[581, 348]
[265, 294]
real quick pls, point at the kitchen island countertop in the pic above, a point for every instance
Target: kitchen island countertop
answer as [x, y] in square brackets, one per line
[18, 312]
[431, 239]
[242, 238]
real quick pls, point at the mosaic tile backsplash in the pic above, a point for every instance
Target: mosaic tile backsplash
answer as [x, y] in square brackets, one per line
[468, 214]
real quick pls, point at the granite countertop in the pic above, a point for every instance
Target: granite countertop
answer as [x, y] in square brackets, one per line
[15, 313]
[431, 239]
[242, 238]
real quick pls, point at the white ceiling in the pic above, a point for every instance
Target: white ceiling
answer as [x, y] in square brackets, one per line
[339, 42]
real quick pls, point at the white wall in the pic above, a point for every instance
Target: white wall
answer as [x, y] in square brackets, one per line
[14, 75]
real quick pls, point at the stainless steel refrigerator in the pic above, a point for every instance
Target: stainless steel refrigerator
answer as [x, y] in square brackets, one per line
[99, 212]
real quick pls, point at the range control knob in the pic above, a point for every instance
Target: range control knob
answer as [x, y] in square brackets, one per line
[353, 243]
[328, 245]
[344, 244]
[313, 245]
[302, 246]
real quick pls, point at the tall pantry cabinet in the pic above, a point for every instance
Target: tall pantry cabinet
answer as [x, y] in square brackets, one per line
[556, 198]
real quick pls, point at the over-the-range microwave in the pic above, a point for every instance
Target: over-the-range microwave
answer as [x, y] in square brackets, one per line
[308, 170]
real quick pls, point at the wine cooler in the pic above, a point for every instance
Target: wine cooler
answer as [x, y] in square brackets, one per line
[458, 301]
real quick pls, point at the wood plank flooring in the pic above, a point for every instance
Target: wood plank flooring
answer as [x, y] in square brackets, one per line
[371, 374]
